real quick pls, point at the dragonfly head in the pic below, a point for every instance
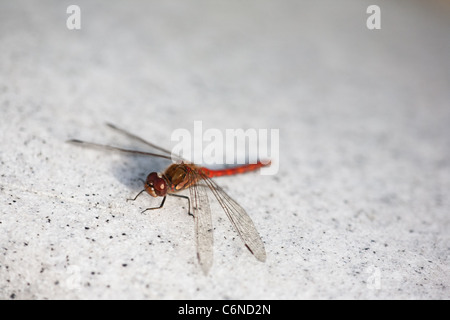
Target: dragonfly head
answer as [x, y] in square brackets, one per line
[156, 185]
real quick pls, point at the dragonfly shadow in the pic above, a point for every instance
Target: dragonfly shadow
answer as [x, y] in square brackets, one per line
[131, 169]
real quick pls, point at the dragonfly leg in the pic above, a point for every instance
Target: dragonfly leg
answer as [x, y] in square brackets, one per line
[160, 206]
[140, 192]
[186, 197]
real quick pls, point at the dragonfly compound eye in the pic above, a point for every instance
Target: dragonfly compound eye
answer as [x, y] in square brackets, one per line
[156, 186]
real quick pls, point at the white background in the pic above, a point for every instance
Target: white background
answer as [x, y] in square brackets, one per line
[359, 208]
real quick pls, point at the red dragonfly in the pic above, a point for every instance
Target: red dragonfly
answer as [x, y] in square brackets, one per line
[184, 175]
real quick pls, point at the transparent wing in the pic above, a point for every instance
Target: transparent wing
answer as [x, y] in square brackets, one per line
[239, 219]
[203, 223]
[169, 155]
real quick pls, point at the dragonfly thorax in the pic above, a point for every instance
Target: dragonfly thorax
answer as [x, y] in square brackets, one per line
[156, 185]
[180, 176]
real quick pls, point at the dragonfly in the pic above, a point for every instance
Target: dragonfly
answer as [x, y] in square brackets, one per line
[182, 175]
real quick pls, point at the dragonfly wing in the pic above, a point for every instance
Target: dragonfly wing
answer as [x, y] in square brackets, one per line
[169, 154]
[240, 220]
[203, 225]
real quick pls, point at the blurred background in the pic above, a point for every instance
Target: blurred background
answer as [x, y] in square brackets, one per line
[359, 208]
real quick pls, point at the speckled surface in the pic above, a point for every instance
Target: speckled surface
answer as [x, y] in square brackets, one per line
[360, 206]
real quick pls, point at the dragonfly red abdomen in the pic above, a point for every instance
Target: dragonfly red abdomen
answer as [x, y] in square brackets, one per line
[232, 171]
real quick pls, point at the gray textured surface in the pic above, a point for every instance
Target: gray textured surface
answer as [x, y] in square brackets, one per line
[360, 206]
